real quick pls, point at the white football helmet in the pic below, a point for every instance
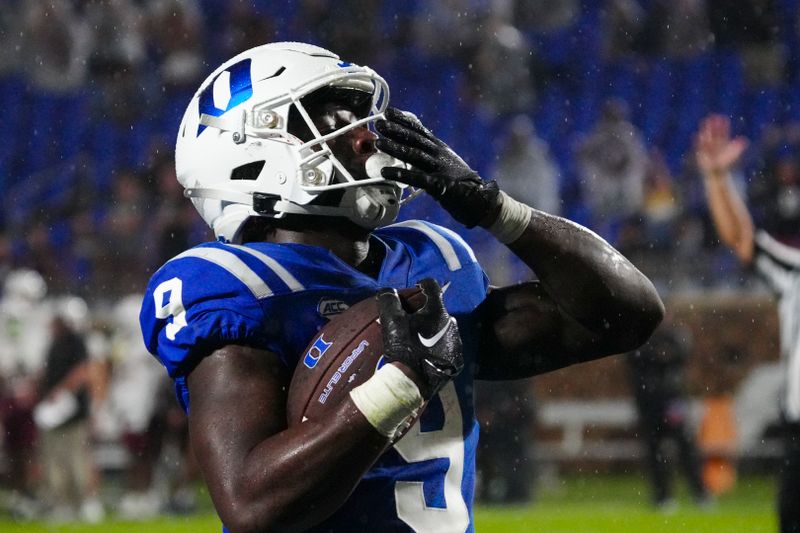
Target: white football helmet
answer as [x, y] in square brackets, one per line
[74, 311]
[24, 284]
[236, 159]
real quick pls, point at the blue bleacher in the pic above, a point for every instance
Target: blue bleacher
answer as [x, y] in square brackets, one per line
[12, 95]
[727, 85]
[763, 108]
[551, 111]
[621, 80]
[692, 96]
[659, 93]
[104, 143]
[791, 101]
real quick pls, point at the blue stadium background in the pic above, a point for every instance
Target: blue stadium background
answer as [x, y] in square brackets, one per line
[59, 145]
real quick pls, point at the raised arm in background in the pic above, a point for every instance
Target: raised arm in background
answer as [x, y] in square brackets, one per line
[716, 153]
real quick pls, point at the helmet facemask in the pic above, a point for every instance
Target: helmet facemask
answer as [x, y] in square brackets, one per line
[372, 199]
[268, 169]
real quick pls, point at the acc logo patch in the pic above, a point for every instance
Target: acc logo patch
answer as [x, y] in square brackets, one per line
[316, 352]
[328, 307]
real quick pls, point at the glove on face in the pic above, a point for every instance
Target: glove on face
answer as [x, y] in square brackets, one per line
[437, 169]
[427, 341]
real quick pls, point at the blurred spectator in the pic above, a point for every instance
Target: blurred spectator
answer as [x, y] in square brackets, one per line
[174, 220]
[664, 239]
[752, 29]
[176, 470]
[333, 24]
[675, 28]
[445, 29]
[62, 416]
[117, 56]
[129, 408]
[123, 263]
[506, 414]
[613, 164]
[544, 15]
[525, 169]
[25, 316]
[41, 255]
[53, 55]
[118, 35]
[660, 209]
[659, 388]
[176, 28]
[622, 22]
[10, 37]
[55, 45]
[500, 75]
[24, 320]
[244, 28]
[6, 255]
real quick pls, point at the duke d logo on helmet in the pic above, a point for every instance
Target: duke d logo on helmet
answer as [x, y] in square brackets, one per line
[229, 89]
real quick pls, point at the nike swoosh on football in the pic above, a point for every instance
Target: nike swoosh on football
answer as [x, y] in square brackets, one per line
[429, 342]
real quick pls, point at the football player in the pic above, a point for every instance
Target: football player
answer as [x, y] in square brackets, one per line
[279, 153]
[25, 315]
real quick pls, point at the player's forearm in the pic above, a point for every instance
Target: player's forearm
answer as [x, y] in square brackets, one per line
[318, 463]
[730, 216]
[300, 476]
[589, 279]
[261, 474]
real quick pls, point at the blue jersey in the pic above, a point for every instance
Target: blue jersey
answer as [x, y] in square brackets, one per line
[277, 297]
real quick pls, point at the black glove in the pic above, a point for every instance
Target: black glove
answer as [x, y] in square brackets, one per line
[437, 169]
[427, 341]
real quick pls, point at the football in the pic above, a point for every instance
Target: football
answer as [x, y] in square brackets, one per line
[344, 354]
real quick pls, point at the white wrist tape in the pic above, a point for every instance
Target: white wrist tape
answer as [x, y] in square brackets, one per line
[511, 222]
[387, 399]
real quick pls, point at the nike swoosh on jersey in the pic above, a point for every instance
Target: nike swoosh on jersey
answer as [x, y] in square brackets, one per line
[429, 342]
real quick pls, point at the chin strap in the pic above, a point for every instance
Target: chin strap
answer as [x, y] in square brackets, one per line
[351, 213]
[280, 207]
[234, 197]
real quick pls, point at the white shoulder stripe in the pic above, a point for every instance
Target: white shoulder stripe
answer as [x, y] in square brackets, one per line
[232, 264]
[447, 250]
[273, 265]
[455, 236]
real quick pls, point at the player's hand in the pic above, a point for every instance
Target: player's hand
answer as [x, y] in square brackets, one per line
[716, 152]
[426, 341]
[437, 169]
